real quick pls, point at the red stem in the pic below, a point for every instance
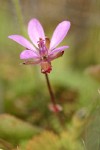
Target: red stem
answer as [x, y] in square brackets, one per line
[50, 90]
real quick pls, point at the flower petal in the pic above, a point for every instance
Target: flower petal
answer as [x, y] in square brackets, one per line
[35, 31]
[28, 54]
[59, 49]
[22, 41]
[59, 33]
[56, 53]
[33, 62]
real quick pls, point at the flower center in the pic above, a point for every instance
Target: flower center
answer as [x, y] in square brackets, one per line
[43, 46]
[42, 49]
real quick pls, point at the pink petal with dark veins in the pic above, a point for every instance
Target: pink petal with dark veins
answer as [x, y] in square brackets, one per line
[59, 49]
[35, 31]
[59, 33]
[22, 41]
[28, 54]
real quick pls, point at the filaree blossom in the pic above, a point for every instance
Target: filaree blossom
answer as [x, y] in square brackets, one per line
[41, 50]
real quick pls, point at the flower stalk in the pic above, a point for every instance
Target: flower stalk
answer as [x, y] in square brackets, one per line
[53, 106]
[50, 90]
[56, 108]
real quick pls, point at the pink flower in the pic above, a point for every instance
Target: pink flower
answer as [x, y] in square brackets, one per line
[42, 51]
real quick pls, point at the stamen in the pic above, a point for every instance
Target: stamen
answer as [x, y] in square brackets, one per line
[42, 48]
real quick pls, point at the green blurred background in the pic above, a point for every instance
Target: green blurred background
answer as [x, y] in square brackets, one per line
[75, 77]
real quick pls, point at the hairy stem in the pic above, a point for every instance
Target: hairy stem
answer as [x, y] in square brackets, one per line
[50, 90]
[57, 113]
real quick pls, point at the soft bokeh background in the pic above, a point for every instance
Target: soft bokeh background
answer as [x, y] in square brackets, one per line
[75, 78]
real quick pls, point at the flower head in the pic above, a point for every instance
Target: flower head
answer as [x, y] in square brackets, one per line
[41, 50]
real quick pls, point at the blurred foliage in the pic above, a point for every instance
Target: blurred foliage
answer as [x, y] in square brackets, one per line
[14, 130]
[67, 139]
[92, 131]
[50, 141]
[75, 78]
[94, 71]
